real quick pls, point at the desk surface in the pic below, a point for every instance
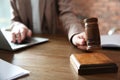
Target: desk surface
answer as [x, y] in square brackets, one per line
[50, 61]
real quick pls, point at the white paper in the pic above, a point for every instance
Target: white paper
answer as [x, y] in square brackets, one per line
[9, 71]
[110, 41]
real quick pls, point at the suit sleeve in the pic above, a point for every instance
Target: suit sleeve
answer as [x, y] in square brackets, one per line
[15, 17]
[72, 25]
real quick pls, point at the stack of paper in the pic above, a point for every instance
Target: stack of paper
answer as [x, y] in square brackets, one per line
[9, 71]
[112, 41]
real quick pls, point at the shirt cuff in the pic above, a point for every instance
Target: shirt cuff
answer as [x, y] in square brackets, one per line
[72, 38]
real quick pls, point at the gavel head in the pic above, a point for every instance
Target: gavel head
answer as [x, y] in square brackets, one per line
[92, 33]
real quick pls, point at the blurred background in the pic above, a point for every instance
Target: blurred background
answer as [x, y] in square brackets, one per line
[4, 13]
[107, 11]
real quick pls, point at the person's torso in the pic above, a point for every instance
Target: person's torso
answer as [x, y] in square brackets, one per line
[49, 22]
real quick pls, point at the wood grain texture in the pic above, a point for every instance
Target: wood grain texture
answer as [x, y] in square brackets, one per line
[92, 63]
[93, 58]
[50, 61]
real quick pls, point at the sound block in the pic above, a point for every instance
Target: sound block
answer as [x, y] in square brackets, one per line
[92, 63]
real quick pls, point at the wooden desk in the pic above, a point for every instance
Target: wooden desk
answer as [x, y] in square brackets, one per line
[50, 61]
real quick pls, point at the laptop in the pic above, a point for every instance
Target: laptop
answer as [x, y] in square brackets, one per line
[6, 44]
[110, 41]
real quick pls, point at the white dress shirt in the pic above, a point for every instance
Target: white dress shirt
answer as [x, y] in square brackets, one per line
[36, 16]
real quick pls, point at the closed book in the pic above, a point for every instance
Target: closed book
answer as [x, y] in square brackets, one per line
[92, 63]
[10, 71]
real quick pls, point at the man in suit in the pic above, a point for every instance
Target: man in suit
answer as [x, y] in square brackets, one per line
[45, 16]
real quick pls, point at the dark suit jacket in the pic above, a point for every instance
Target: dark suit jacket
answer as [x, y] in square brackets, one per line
[52, 13]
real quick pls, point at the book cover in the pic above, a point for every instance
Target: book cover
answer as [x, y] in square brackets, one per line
[10, 72]
[92, 63]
